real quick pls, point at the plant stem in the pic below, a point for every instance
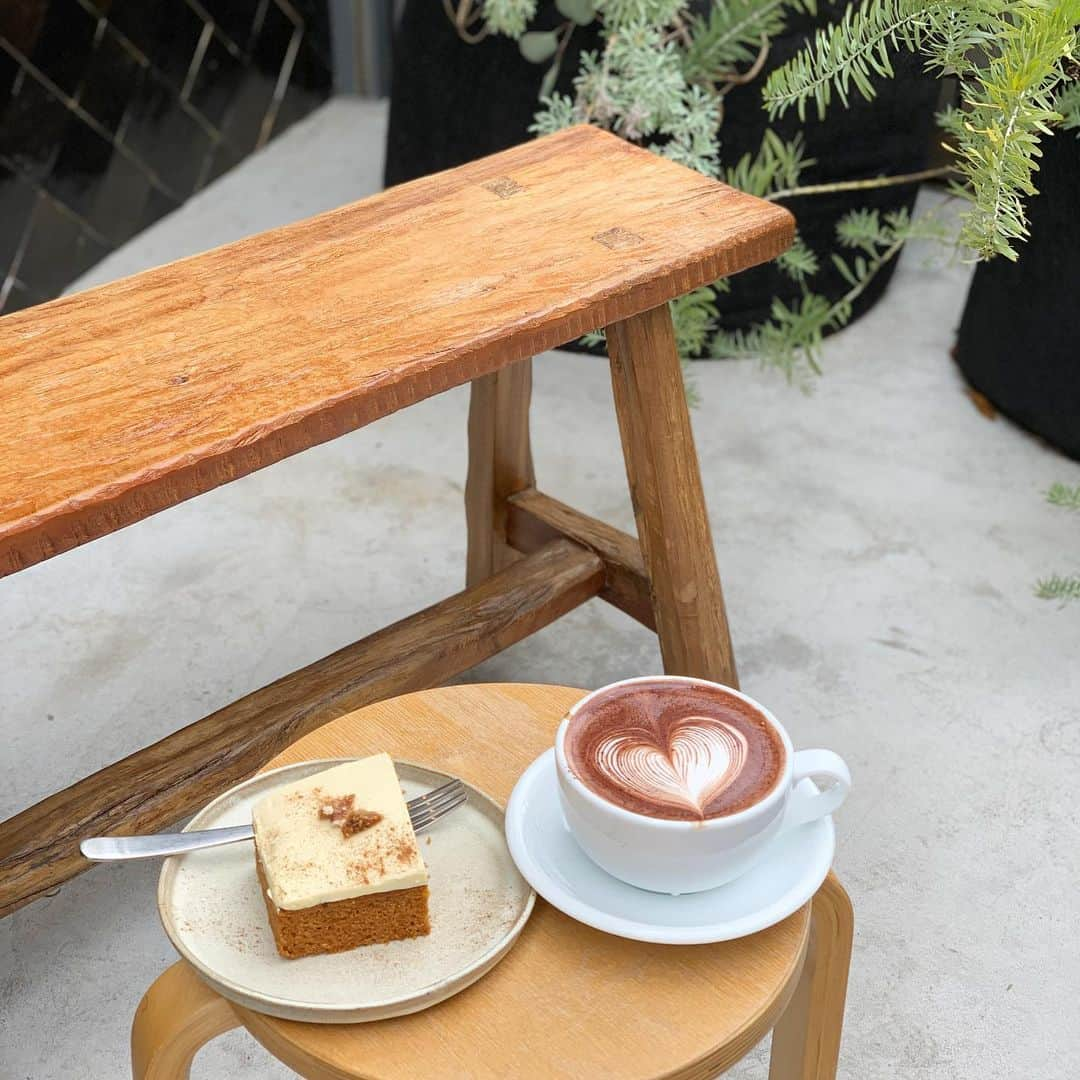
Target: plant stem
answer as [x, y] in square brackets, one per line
[680, 32]
[463, 18]
[874, 266]
[748, 76]
[861, 185]
[565, 32]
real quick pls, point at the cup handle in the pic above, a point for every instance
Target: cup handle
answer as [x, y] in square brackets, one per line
[818, 765]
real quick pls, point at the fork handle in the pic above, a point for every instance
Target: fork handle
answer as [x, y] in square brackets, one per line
[115, 848]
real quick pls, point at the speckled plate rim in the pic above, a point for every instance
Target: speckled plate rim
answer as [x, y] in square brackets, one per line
[310, 1012]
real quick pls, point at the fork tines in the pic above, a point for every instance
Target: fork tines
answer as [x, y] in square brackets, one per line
[424, 810]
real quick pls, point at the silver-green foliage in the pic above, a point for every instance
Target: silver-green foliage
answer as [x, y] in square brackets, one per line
[509, 17]
[636, 87]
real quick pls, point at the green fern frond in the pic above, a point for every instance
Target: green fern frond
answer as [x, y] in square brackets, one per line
[864, 229]
[799, 262]
[950, 120]
[1055, 587]
[732, 35]
[1007, 109]
[1009, 97]
[1066, 497]
[960, 32]
[790, 341]
[694, 316]
[849, 52]
[777, 166]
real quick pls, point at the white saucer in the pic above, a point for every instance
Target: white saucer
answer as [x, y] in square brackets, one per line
[553, 864]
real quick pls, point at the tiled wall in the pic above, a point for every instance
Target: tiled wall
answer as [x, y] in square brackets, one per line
[113, 112]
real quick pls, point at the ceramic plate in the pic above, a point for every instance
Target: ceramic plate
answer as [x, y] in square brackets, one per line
[549, 857]
[212, 910]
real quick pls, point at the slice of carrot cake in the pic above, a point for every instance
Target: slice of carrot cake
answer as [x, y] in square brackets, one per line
[338, 861]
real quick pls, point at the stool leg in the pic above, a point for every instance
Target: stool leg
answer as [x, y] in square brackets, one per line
[806, 1041]
[177, 1016]
[665, 486]
[500, 464]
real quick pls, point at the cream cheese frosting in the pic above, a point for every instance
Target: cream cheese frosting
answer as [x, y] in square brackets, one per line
[308, 858]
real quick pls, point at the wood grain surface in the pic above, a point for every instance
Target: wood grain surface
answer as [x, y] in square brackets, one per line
[806, 1041]
[177, 1016]
[500, 463]
[669, 504]
[567, 1001]
[126, 399]
[535, 519]
[155, 787]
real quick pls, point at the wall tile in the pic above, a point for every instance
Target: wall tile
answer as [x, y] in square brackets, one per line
[19, 296]
[81, 159]
[217, 81]
[17, 198]
[62, 43]
[236, 19]
[318, 36]
[120, 199]
[10, 73]
[255, 103]
[56, 248]
[157, 206]
[167, 32]
[112, 112]
[162, 134]
[32, 127]
[112, 77]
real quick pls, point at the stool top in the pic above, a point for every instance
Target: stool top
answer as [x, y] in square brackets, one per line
[567, 1000]
[126, 399]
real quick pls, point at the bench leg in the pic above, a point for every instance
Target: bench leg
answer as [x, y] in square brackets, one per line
[500, 464]
[177, 1016]
[806, 1041]
[665, 486]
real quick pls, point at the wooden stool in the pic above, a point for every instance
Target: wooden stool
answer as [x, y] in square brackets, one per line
[124, 400]
[567, 1000]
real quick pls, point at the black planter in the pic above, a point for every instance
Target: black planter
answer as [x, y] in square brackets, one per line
[1018, 340]
[452, 102]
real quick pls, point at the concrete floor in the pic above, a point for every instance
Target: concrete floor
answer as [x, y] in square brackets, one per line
[878, 540]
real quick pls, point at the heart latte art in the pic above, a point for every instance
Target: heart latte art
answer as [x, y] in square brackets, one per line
[703, 756]
[678, 751]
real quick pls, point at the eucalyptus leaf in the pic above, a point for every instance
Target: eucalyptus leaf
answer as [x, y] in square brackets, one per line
[538, 45]
[581, 11]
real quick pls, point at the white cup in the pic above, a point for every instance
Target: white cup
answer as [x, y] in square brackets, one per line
[670, 856]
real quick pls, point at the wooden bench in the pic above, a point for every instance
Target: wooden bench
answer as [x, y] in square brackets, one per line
[127, 399]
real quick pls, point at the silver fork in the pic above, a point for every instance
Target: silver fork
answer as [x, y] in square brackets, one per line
[424, 811]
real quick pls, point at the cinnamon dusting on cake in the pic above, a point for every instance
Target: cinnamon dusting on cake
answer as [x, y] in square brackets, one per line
[403, 849]
[342, 812]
